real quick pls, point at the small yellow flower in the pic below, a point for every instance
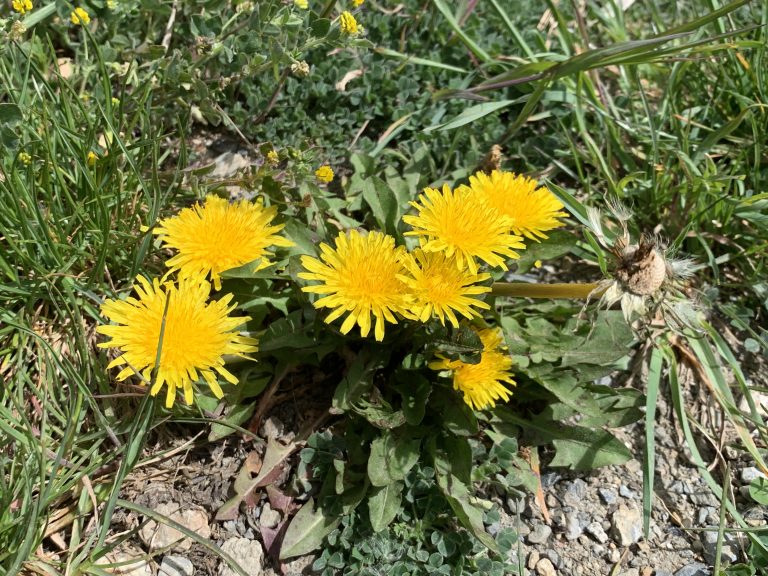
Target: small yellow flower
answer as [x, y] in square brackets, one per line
[357, 3]
[482, 383]
[197, 333]
[324, 174]
[464, 226]
[92, 157]
[22, 6]
[348, 24]
[111, 4]
[531, 208]
[79, 17]
[439, 287]
[273, 158]
[25, 158]
[537, 264]
[301, 4]
[360, 277]
[115, 102]
[220, 236]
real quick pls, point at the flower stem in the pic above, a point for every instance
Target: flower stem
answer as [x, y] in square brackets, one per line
[530, 290]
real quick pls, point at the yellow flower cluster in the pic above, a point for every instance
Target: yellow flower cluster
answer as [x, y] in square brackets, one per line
[171, 326]
[22, 6]
[348, 24]
[324, 174]
[80, 17]
[367, 275]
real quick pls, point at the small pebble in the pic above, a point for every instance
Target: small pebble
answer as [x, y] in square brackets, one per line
[625, 492]
[607, 495]
[544, 568]
[695, 569]
[750, 474]
[533, 559]
[553, 557]
[540, 534]
[595, 529]
[176, 566]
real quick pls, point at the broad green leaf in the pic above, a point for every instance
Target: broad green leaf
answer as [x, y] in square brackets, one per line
[382, 202]
[455, 415]
[288, 332]
[384, 504]
[392, 456]
[558, 244]
[10, 115]
[238, 414]
[470, 516]
[306, 531]
[758, 490]
[585, 449]
[414, 390]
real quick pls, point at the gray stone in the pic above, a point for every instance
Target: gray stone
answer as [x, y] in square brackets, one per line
[549, 479]
[574, 492]
[573, 528]
[703, 499]
[272, 428]
[163, 536]
[540, 534]
[269, 518]
[662, 573]
[708, 539]
[176, 566]
[553, 557]
[595, 529]
[695, 569]
[749, 474]
[607, 495]
[247, 553]
[627, 525]
[704, 514]
[625, 492]
[544, 568]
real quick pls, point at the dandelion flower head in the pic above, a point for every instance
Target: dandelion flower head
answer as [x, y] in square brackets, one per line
[440, 288]
[360, 277]
[79, 17]
[301, 4]
[196, 336]
[357, 3]
[22, 6]
[461, 224]
[219, 236]
[348, 24]
[486, 382]
[324, 174]
[532, 209]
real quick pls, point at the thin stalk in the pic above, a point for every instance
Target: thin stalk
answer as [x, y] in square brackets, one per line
[529, 290]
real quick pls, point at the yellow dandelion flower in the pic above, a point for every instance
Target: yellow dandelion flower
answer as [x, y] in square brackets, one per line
[324, 174]
[484, 383]
[348, 24]
[439, 287]
[272, 158]
[533, 210]
[357, 3]
[79, 17]
[22, 6]
[92, 157]
[462, 224]
[25, 158]
[360, 277]
[196, 335]
[302, 4]
[219, 236]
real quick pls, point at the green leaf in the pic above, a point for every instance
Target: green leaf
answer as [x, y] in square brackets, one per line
[382, 201]
[238, 414]
[320, 27]
[758, 490]
[558, 244]
[306, 531]
[456, 416]
[471, 517]
[10, 115]
[414, 390]
[472, 114]
[303, 238]
[391, 458]
[288, 332]
[384, 504]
